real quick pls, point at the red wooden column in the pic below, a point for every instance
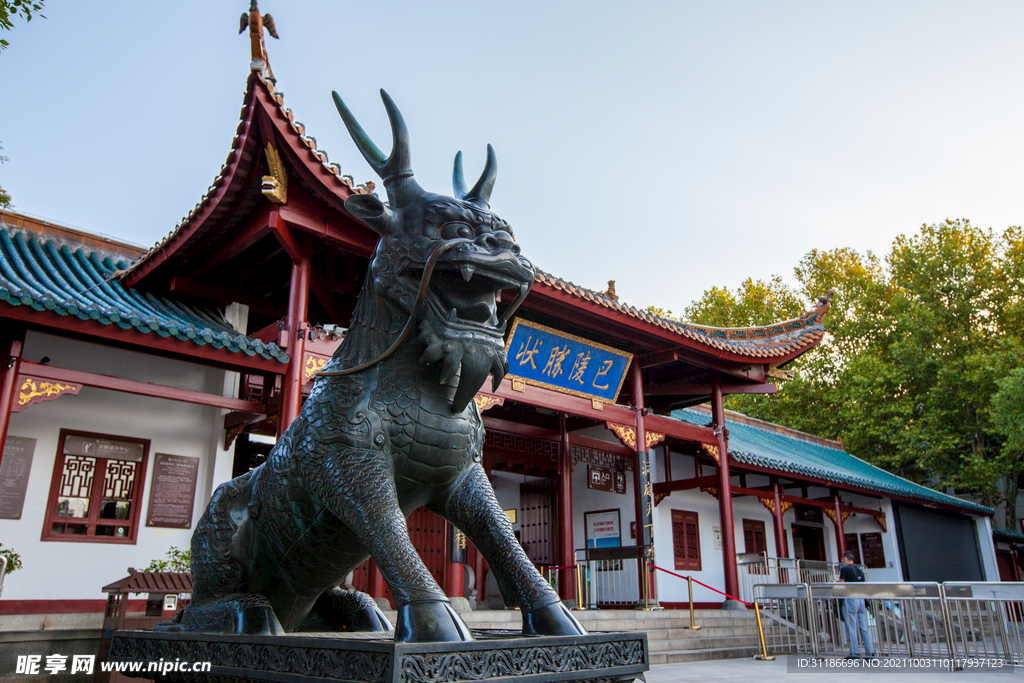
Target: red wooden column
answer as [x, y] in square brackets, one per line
[643, 494]
[840, 536]
[732, 583]
[780, 530]
[298, 300]
[457, 552]
[11, 340]
[566, 577]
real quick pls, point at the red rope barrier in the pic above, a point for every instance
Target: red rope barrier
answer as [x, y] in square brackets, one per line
[654, 566]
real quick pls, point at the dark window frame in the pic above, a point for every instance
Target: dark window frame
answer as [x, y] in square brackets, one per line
[93, 520]
[680, 519]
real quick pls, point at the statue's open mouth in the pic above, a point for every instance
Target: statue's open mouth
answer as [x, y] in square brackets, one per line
[464, 291]
[460, 325]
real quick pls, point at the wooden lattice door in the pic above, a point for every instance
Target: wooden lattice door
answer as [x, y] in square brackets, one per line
[537, 523]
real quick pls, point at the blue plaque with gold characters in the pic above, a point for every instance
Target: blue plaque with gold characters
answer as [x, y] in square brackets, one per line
[545, 357]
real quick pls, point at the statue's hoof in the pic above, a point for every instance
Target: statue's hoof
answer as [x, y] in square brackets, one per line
[553, 620]
[257, 620]
[371, 618]
[430, 622]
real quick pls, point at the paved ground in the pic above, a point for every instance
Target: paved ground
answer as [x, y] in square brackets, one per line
[788, 670]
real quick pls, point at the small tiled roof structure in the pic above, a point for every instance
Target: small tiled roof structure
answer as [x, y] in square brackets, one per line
[1015, 537]
[151, 582]
[767, 341]
[50, 276]
[761, 444]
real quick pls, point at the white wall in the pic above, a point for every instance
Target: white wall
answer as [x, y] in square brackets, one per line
[988, 548]
[79, 570]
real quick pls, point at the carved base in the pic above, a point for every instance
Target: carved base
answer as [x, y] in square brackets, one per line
[495, 657]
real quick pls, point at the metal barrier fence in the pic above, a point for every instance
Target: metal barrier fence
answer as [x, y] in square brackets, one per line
[987, 620]
[754, 569]
[947, 621]
[609, 577]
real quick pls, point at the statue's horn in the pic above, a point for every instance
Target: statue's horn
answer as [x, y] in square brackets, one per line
[481, 192]
[395, 169]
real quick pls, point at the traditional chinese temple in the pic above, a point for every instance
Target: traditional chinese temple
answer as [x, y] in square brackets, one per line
[136, 382]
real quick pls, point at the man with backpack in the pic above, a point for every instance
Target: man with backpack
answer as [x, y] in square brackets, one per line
[856, 610]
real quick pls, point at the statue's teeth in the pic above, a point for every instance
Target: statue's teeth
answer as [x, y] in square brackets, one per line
[467, 271]
[452, 315]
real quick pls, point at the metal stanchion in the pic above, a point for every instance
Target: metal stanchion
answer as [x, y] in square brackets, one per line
[689, 587]
[579, 587]
[764, 656]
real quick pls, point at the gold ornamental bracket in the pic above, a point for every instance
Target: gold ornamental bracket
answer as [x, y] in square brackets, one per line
[33, 390]
[712, 450]
[275, 185]
[627, 435]
[312, 365]
[776, 372]
[485, 401]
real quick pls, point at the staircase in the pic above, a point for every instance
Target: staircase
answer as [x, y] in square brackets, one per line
[725, 634]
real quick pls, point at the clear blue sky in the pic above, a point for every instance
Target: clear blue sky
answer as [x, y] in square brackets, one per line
[670, 146]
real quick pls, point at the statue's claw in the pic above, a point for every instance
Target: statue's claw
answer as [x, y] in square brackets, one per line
[552, 620]
[430, 622]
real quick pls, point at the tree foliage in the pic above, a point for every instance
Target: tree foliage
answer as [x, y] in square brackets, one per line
[13, 559]
[5, 199]
[919, 372]
[12, 9]
[175, 561]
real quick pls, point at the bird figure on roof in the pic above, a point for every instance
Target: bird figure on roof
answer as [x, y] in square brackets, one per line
[256, 23]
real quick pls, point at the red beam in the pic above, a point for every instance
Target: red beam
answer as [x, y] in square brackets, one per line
[185, 350]
[250, 235]
[667, 487]
[130, 386]
[11, 340]
[688, 389]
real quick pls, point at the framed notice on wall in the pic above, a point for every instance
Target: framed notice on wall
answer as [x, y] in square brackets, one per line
[173, 491]
[873, 554]
[14, 470]
[603, 529]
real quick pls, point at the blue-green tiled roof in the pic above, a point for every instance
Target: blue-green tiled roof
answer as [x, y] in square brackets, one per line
[787, 452]
[53, 278]
[1011, 536]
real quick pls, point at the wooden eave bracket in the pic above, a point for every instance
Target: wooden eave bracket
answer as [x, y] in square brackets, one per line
[33, 390]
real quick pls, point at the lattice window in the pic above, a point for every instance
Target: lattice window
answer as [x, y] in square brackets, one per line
[96, 488]
[686, 540]
[594, 456]
[517, 443]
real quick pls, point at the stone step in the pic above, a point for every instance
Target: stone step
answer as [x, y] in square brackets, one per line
[736, 642]
[690, 634]
[703, 655]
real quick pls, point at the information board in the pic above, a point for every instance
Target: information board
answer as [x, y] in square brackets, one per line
[872, 551]
[173, 491]
[602, 528]
[14, 471]
[548, 358]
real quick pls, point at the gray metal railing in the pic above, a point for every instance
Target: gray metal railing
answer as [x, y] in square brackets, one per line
[951, 621]
[609, 577]
[758, 568]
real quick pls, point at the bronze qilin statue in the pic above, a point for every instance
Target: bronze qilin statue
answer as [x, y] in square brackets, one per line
[390, 426]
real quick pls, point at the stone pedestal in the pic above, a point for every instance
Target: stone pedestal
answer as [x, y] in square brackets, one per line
[495, 657]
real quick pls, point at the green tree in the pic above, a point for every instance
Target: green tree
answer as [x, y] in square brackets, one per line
[175, 561]
[917, 347]
[13, 559]
[12, 9]
[5, 199]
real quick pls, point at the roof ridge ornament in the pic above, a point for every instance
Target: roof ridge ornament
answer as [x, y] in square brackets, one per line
[256, 23]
